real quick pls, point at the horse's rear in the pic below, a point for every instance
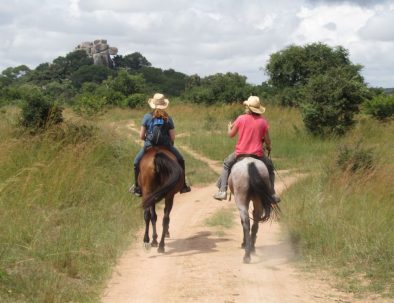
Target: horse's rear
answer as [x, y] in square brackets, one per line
[249, 181]
[161, 177]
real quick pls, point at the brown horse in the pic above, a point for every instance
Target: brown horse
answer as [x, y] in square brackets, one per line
[161, 177]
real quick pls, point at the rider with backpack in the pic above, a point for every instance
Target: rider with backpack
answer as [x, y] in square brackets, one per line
[157, 128]
[252, 130]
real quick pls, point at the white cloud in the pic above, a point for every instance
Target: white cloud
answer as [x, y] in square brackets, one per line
[203, 36]
[379, 27]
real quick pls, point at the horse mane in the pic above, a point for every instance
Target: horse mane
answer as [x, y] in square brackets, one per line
[260, 188]
[167, 173]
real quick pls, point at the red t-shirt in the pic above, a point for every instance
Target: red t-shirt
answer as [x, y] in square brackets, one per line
[251, 131]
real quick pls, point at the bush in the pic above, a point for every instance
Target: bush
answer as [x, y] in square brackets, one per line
[380, 107]
[354, 158]
[330, 102]
[135, 100]
[89, 104]
[38, 112]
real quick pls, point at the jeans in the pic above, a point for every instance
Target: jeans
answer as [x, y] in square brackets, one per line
[170, 147]
[230, 161]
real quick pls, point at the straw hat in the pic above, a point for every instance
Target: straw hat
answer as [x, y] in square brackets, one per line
[158, 101]
[253, 103]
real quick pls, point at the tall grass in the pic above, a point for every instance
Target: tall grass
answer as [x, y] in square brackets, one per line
[65, 212]
[66, 215]
[344, 219]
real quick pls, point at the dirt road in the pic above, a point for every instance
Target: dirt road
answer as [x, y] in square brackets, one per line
[204, 264]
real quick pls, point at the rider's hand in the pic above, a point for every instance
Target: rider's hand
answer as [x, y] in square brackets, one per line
[230, 125]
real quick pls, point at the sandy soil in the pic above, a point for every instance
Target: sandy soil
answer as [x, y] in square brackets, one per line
[203, 264]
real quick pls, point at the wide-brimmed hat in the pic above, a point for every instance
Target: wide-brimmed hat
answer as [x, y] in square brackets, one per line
[158, 101]
[253, 103]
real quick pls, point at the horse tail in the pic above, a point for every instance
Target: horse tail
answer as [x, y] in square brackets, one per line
[167, 174]
[261, 189]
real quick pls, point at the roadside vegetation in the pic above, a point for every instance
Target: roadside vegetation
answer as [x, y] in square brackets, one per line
[66, 157]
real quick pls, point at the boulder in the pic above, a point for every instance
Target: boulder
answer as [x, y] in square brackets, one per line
[100, 51]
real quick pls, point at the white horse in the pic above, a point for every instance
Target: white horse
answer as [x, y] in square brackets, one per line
[249, 181]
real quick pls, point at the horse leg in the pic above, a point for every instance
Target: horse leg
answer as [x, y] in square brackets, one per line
[243, 211]
[147, 217]
[166, 221]
[255, 228]
[243, 239]
[154, 231]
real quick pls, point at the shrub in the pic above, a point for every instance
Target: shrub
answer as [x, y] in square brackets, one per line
[330, 102]
[354, 158]
[380, 107]
[135, 100]
[38, 112]
[89, 104]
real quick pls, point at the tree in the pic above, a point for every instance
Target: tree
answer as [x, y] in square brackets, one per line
[61, 68]
[218, 88]
[134, 61]
[289, 70]
[90, 73]
[331, 100]
[14, 73]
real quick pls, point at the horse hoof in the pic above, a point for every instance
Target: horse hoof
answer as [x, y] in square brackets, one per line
[247, 259]
[167, 234]
[147, 246]
[160, 249]
[253, 250]
[154, 244]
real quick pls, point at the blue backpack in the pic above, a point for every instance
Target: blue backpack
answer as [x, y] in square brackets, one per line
[156, 132]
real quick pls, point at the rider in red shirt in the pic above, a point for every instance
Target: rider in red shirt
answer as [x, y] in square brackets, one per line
[252, 130]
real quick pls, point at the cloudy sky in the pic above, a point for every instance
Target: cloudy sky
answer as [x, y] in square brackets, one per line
[201, 36]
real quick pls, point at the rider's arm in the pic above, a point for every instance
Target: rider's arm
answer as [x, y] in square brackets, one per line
[231, 130]
[142, 132]
[267, 140]
[172, 135]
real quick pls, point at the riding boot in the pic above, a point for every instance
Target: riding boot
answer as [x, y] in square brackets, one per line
[135, 189]
[186, 188]
[270, 166]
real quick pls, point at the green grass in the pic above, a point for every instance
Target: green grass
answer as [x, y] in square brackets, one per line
[344, 220]
[222, 219]
[66, 214]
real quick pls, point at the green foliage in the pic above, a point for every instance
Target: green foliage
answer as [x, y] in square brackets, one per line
[169, 82]
[354, 158]
[13, 73]
[134, 61]
[38, 112]
[126, 84]
[135, 100]
[294, 66]
[218, 88]
[89, 104]
[60, 92]
[380, 107]
[330, 102]
[60, 69]
[90, 73]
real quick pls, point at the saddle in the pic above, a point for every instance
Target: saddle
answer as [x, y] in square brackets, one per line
[243, 156]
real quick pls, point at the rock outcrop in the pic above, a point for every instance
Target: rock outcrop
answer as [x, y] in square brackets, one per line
[100, 51]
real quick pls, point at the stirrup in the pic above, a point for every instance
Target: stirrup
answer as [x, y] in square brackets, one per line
[136, 190]
[185, 189]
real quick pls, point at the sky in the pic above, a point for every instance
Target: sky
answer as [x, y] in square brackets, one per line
[201, 37]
